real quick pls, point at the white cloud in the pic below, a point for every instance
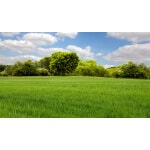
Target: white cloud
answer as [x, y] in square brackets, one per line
[40, 39]
[99, 54]
[71, 35]
[49, 51]
[135, 52]
[83, 53]
[17, 46]
[13, 60]
[9, 34]
[134, 37]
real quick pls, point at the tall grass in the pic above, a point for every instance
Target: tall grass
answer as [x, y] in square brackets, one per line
[69, 97]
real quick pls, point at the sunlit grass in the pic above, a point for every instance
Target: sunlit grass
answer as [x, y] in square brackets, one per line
[68, 97]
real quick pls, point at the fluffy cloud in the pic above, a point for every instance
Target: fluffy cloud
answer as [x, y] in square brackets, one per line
[29, 42]
[83, 53]
[134, 37]
[71, 35]
[49, 51]
[135, 52]
[40, 39]
[99, 54]
[9, 34]
[12, 60]
[17, 46]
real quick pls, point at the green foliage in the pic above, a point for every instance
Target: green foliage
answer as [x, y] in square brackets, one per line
[28, 68]
[3, 73]
[132, 70]
[113, 72]
[8, 70]
[42, 72]
[63, 63]
[89, 68]
[45, 63]
[129, 70]
[24, 69]
[144, 71]
[2, 67]
[68, 63]
[3, 70]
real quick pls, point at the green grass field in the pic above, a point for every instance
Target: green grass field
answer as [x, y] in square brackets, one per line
[74, 97]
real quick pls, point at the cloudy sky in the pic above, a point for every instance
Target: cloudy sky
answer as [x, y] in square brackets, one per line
[107, 48]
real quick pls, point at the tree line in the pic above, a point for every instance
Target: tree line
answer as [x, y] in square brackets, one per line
[68, 63]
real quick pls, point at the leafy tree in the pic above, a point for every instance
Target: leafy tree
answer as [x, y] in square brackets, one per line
[132, 70]
[8, 70]
[144, 72]
[90, 68]
[42, 72]
[2, 67]
[113, 72]
[63, 63]
[129, 70]
[24, 69]
[3, 73]
[100, 71]
[45, 63]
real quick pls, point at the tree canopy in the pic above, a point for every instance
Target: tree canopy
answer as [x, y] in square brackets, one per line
[24, 69]
[89, 68]
[63, 63]
[68, 63]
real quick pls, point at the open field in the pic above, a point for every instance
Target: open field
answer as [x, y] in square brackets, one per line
[69, 97]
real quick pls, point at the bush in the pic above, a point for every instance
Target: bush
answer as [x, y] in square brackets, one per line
[132, 70]
[90, 68]
[24, 69]
[42, 72]
[9, 70]
[2, 67]
[113, 72]
[3, 73]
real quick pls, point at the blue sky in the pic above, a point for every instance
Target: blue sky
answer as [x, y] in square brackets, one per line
[107, 48]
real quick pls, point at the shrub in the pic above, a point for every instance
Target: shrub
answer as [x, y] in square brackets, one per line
[42, 72]
[3, 73]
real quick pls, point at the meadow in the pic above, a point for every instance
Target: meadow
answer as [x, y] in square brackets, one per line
[74, 97]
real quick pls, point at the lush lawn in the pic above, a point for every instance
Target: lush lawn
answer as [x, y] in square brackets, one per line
[68, 97]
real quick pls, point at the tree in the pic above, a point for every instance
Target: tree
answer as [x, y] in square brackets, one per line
[42, 72]
[89, 68]
[114, 72]
[63, 63]
[24, 69]
[144, 72]
[8, 70]
[2, 67]
[45, 63]
[132, 70]
[86, 68]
